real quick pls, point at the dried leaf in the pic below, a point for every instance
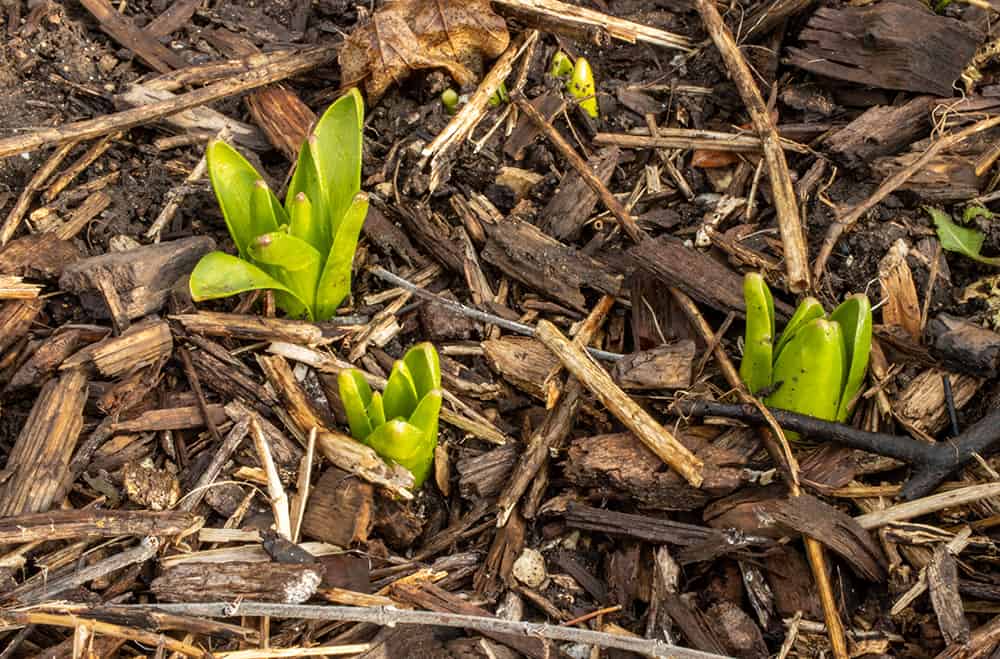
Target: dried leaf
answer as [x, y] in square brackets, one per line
[406, 35]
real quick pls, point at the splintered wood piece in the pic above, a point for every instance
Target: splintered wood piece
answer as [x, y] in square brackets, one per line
[252, 328]
[175, 418]
[880, 131]
[901, 308]
[521, 360]
[341, 509]
[14, 288]
[921, 404]
[641, 527]
[38, 179]
[544, 264]
[39, 256]
[16, 318]
[284, 583]
[483, 476]
[588, 19]
[944, 178]
[574, 200]
[40, 458]
[888, 45]
[275, 490]
[69, 524]
[593, 377]
[688, 138]
[609, 466]
[124, 31]
[51, 353]
[666, 367]
[262, 71]
[964, 346]
[141, 277]
[942, 582]
[300, 408]
[143, 344]
[196, 119]
[785, 203]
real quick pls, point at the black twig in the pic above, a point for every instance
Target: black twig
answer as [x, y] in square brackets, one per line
[930, 463]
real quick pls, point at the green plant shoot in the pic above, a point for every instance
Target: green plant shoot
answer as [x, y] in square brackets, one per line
[579, 79]
[817, 365]
[449, 98]
[964, 240]
[401, 424]
[302, 250]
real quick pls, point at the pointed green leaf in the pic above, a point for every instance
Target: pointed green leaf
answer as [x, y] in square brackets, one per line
[581, 87]
[294, 261]
[854, 316]
[233, 180]
[963, 240]
[810, 371]
[336, 152]
[400, 395]
[306, 181]
[755, 369]
[220, 275]
[561, 66]
[265, 210]
[808, 310]
[425, 416]
[302, 221]
[376, 410]
[403, 443]
[335, 282]
[355, 395]
[425, 368]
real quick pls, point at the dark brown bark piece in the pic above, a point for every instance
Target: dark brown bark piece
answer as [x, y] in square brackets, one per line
[41, 256]
[546, 265]
[574, 200]
[965, 347]
[124, 31]
[880, 131]
[397, 524]
[666, 367]
[792, 583]
[214, 582]
[347, 572]
[527, 130]
[141, 277]
[946, 178]
[483, 476]
[340, 510]
[738, 632]
[640, 527]
[942, 582]
[51, 353]
[891, 45]
[620, 466]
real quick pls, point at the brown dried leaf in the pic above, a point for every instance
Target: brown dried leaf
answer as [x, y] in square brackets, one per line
[406, 35]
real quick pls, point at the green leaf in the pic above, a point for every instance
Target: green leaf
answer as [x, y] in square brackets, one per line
[376, 410]
[561, 66]
[220, 275]
[294, 261]
[974, 212]
[403, 443]
[335, 282]
[425, 368]
[265, 210]
[581, 87]
[425, 417]
[755, 369]
[400, 394]
[955, 238]
[233, 180]
[854, 316]
[306, 180]
[808, 310]
[336, 153]
[811, 371]
[302, 222]
[355, 395]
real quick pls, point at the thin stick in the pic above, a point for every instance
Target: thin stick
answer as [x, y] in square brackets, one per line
[273, 70]
[279, 500]
[317, 651]
[686, 138]
[646, 428]
[621, 214]
[785, 205]
[927, 505]
[482, 316]
[175, 197]
[305, 475]
[384, 616]
[848, 219]
[37, 181]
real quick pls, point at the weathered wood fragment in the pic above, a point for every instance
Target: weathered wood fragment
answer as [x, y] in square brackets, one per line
[142, 277]
[880, 131]
[212, 582]
[666, 367]
[40, 458]
[483, 476]
[964, 346]
[16, 318]
[41, 256]
[51, 353]
[251, 328]
[141, 345]
[69, 524]
[921, 404]
[124, 31]
[574, 200]
[942, 581]
[341, 509]
[892, 45]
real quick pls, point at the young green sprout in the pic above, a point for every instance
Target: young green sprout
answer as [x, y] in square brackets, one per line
[449, 99]
[303, 250]
[500, 96]
[579, 79]
[817, 365]
[401, 423]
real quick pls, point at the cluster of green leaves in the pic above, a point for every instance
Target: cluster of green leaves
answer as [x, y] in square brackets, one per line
[964, 240]
[579, 79]
[401, 423]
[303, 250]
[818, 364]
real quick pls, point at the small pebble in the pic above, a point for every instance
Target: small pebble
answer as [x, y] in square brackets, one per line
[529, 568]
